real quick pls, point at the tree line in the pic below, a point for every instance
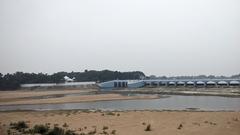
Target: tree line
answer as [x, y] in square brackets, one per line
[13, 81]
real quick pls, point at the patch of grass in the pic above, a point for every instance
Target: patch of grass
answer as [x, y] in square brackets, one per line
[92, 132]
[56, 131]
[105, 132]
[41, 129]
[9, 132]
[180, 126]
[38, 129]
[48, 124]
[148, 128]
[65, 125]
[105, 127]
[30, 131]
[20, 126]
[70, 132]
[113, 132]
[110, 113]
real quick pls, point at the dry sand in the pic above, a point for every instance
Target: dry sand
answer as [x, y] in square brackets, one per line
[27, 97]
[131, 123]
[31, 93]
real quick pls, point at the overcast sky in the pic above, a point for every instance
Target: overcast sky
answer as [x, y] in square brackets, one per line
[161, 37]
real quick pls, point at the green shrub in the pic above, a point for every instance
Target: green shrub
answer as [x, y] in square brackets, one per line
[20, 126]
[30, 131]
[56, 131]
[41, 129]
[70, 132]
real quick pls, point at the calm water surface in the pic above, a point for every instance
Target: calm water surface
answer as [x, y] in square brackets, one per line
[173, 102]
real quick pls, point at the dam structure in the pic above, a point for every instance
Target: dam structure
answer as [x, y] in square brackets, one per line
[114, 84]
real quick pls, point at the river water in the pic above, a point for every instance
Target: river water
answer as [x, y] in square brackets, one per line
[173, 102]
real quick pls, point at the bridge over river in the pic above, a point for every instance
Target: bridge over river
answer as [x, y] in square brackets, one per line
[171, 82]
[193, 82]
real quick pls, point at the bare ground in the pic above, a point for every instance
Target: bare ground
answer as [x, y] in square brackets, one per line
[57, 96]
[133, 122]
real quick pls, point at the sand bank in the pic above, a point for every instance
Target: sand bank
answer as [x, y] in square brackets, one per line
[56, 97]
[133, 122]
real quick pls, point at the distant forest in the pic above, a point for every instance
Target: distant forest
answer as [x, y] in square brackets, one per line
[13, 81]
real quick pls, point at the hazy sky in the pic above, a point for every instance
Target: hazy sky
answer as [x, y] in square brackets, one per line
[161, 37]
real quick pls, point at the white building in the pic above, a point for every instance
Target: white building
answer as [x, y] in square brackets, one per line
[122, 84]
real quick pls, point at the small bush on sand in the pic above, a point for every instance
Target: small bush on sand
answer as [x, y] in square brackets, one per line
[65, 125]
[29, 132]
[105, 127]
[9, 132]
[110, 113]
[56, 131]
[105, 132]
[113, 132]
[70, 132]
[20, 126]
[92, 132]
[148, 128]
[180, 126]
[41, 129]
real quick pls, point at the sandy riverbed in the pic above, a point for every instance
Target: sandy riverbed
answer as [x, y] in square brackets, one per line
[131, 123]
[29, 97]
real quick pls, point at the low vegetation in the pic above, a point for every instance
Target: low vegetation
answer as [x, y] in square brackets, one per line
[148, 128]
[22, 128]
[41, 129]
[105, 127]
